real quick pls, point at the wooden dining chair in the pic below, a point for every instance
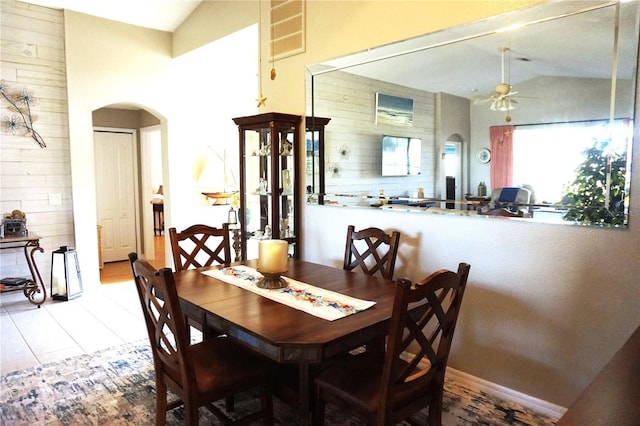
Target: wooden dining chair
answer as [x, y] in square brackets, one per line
[386, 388]
[372, 250]
[200, 245]
[198, 374]
[195, 247]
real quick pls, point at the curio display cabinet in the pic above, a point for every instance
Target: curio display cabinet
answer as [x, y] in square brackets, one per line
[269, 194]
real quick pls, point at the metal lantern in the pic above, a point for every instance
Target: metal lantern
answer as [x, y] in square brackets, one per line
[66, 283]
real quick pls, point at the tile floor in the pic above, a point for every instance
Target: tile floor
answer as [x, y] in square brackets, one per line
[103, 316]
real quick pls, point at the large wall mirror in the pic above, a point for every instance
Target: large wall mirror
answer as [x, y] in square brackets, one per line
[526, 115]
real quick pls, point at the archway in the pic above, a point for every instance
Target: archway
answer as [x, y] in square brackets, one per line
[139, 202]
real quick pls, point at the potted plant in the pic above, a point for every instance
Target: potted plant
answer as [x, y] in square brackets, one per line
[590, 198]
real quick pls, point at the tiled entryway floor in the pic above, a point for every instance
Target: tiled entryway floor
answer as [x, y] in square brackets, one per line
[103, 316]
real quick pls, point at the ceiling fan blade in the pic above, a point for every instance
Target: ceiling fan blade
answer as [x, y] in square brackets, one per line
[482, 99]
[527, 97]
[499, 102]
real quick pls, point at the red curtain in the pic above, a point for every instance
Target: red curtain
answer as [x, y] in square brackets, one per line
[501, 138]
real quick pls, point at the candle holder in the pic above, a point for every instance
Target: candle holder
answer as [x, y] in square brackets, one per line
[272, 263]
[272, 280]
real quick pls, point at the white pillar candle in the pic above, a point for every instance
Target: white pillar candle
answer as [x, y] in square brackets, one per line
[60, 286]
[272, 256]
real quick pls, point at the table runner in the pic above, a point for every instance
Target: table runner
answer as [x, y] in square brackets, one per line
[321, 303]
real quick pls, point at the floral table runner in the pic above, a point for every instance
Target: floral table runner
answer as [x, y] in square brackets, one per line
[321, 303]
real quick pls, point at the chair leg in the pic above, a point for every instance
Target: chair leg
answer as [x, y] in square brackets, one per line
[266, 401]
[161, 403]
[192, 414]
[229, 403]
[435, 413]
[317, 415]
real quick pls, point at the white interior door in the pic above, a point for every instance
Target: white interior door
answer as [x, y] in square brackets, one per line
[115, 193]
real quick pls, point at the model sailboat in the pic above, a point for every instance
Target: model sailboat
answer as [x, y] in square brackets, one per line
[218, 178]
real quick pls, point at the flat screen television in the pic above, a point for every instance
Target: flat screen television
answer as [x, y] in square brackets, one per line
[400, 155]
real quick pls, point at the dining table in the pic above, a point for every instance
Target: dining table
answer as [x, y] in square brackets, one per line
[291, 337]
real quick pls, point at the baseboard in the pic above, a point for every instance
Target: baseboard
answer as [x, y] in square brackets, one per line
[527, 401]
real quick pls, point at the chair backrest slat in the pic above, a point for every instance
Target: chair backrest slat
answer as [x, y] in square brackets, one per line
[372, 250]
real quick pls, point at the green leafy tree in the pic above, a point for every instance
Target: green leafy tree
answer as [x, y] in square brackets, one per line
[585, 196]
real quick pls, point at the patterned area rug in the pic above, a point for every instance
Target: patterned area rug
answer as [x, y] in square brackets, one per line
[117, 387]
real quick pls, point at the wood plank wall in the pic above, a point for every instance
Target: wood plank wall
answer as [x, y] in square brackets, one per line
[33, 58]
[350, 102]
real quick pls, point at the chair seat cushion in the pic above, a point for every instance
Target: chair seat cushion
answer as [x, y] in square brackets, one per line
[355, 381]
[222, 366]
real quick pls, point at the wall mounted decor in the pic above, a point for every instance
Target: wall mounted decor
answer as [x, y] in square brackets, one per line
[394, 110]
[483, 155]
[20, 104]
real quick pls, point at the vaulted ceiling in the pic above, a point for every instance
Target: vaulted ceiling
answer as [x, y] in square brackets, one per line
[165, 15]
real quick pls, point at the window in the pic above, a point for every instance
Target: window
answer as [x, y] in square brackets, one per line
[400, 156]
[546, 156]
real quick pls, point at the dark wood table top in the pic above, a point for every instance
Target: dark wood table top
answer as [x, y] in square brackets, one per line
[282, 333]
[613, 397]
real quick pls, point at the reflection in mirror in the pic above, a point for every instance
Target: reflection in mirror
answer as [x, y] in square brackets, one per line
[546, 105]
[400, 156]
[314, 138]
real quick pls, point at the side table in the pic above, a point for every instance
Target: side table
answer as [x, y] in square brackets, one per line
[34, 289]
[158, 218]
[476, 202]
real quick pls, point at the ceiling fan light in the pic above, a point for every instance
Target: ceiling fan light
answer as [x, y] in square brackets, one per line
[507, 105]
[502, 104]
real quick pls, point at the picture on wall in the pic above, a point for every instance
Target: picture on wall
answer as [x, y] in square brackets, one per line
[394, 110]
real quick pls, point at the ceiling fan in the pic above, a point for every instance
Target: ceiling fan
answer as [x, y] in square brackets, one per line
[502, 98]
